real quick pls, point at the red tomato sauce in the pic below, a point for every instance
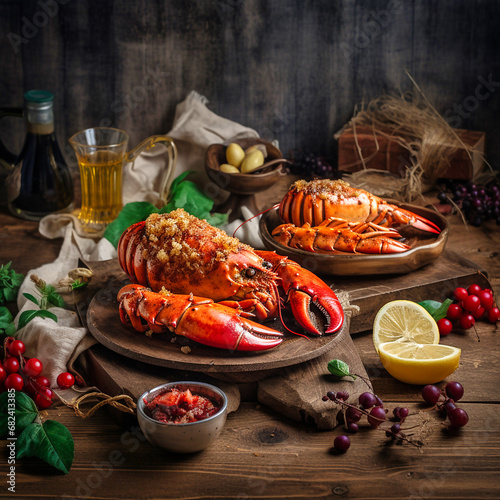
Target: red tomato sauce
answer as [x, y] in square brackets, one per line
[175, 406]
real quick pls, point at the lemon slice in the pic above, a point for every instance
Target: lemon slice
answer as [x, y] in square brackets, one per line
[404, 321]
[419, 363]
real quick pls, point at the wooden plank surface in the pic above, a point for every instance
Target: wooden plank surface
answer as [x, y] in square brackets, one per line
[261, 454]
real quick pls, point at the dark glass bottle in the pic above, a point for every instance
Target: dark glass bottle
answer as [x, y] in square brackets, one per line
[40, 182]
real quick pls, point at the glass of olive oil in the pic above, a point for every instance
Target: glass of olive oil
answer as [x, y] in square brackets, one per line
[101, 152]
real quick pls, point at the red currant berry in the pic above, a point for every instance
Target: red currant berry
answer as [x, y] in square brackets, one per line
[8, 341]
[43, 381]
[478, 313]
[454, 311]
[11, 365]
[14, 381]
[66, 380]
[467, 321]
[33, 367]
[3, 374]
[460, 294]
[43, 399]
[493, 315]
[445, 326]
[471, 303]
[486, 299]
[474, 289]
[16, 348]
[30, 387]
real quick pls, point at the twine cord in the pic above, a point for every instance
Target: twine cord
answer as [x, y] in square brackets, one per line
[128, 407]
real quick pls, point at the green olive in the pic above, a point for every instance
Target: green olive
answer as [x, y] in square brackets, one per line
[252, 160]
[229, 169]
[235, 154]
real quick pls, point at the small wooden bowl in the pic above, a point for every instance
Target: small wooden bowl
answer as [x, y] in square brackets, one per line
[243, 184]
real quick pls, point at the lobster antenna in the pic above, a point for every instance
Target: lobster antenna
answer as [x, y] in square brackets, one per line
[253, 217]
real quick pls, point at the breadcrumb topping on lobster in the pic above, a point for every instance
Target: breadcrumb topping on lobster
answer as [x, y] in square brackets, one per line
[174, 239]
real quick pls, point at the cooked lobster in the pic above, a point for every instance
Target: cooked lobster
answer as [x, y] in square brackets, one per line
[197, 318]
[315, 201]
[339, 234]
[185, 255]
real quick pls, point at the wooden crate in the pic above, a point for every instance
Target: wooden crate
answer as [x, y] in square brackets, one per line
[384, 153]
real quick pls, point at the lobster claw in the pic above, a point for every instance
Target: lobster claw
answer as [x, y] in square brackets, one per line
[221, 326]
[302, 287]
[196, 318]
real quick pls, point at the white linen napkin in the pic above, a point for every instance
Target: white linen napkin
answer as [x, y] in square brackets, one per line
[195, 128]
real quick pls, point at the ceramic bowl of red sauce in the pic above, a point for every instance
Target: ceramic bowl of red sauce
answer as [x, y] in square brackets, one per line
[182, 417]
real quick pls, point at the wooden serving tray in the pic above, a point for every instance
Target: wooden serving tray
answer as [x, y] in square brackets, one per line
[424, 248]
[104, 324]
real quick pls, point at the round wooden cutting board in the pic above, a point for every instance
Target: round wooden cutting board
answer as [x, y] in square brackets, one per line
[105, 325]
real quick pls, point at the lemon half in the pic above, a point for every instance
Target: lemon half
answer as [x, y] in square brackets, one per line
[415, 363]
[404, 321]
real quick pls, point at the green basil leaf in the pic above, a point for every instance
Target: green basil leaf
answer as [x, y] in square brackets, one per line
[51, 442]
[131, 213]
[441, 311]
[27, 316]
[178, 180]
[9, 294]
[78, 284]
[339, 368]
[54, 298]
[32, 298]
[10, 281]
[23, 413]
[436, 309]
[7, 324]
[431, 306]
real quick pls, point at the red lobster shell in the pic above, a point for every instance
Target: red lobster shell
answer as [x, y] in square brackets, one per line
[316, 201]
[185, 255]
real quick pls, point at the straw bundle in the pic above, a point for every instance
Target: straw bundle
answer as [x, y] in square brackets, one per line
[412, 122]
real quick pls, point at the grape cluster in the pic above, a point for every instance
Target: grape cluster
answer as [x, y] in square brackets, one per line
[452, 393]
[372, 407]
[23, 374]
[309, 165]
[471, 304]
[478, 203]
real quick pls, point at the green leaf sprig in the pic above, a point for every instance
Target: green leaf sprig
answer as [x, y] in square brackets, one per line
[183, 194]
[10, 281]
[50, 441]
[436, 309]
[48, 298]
[7, 325]
[340, 369]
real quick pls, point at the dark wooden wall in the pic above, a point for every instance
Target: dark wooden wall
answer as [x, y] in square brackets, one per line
[292, 69]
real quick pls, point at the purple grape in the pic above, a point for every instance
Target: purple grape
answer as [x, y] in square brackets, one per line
[431, 394]
[343, 395]
[454, 390]
[352, 427]
[377, 416]
[342, 443]
[331, 395]
[352, 414]
[400, 413]
[367, 400]
[458, 418]
[379, 402]
[449, 406]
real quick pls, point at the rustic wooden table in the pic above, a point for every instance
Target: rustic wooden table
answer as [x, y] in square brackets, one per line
[261, 454]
